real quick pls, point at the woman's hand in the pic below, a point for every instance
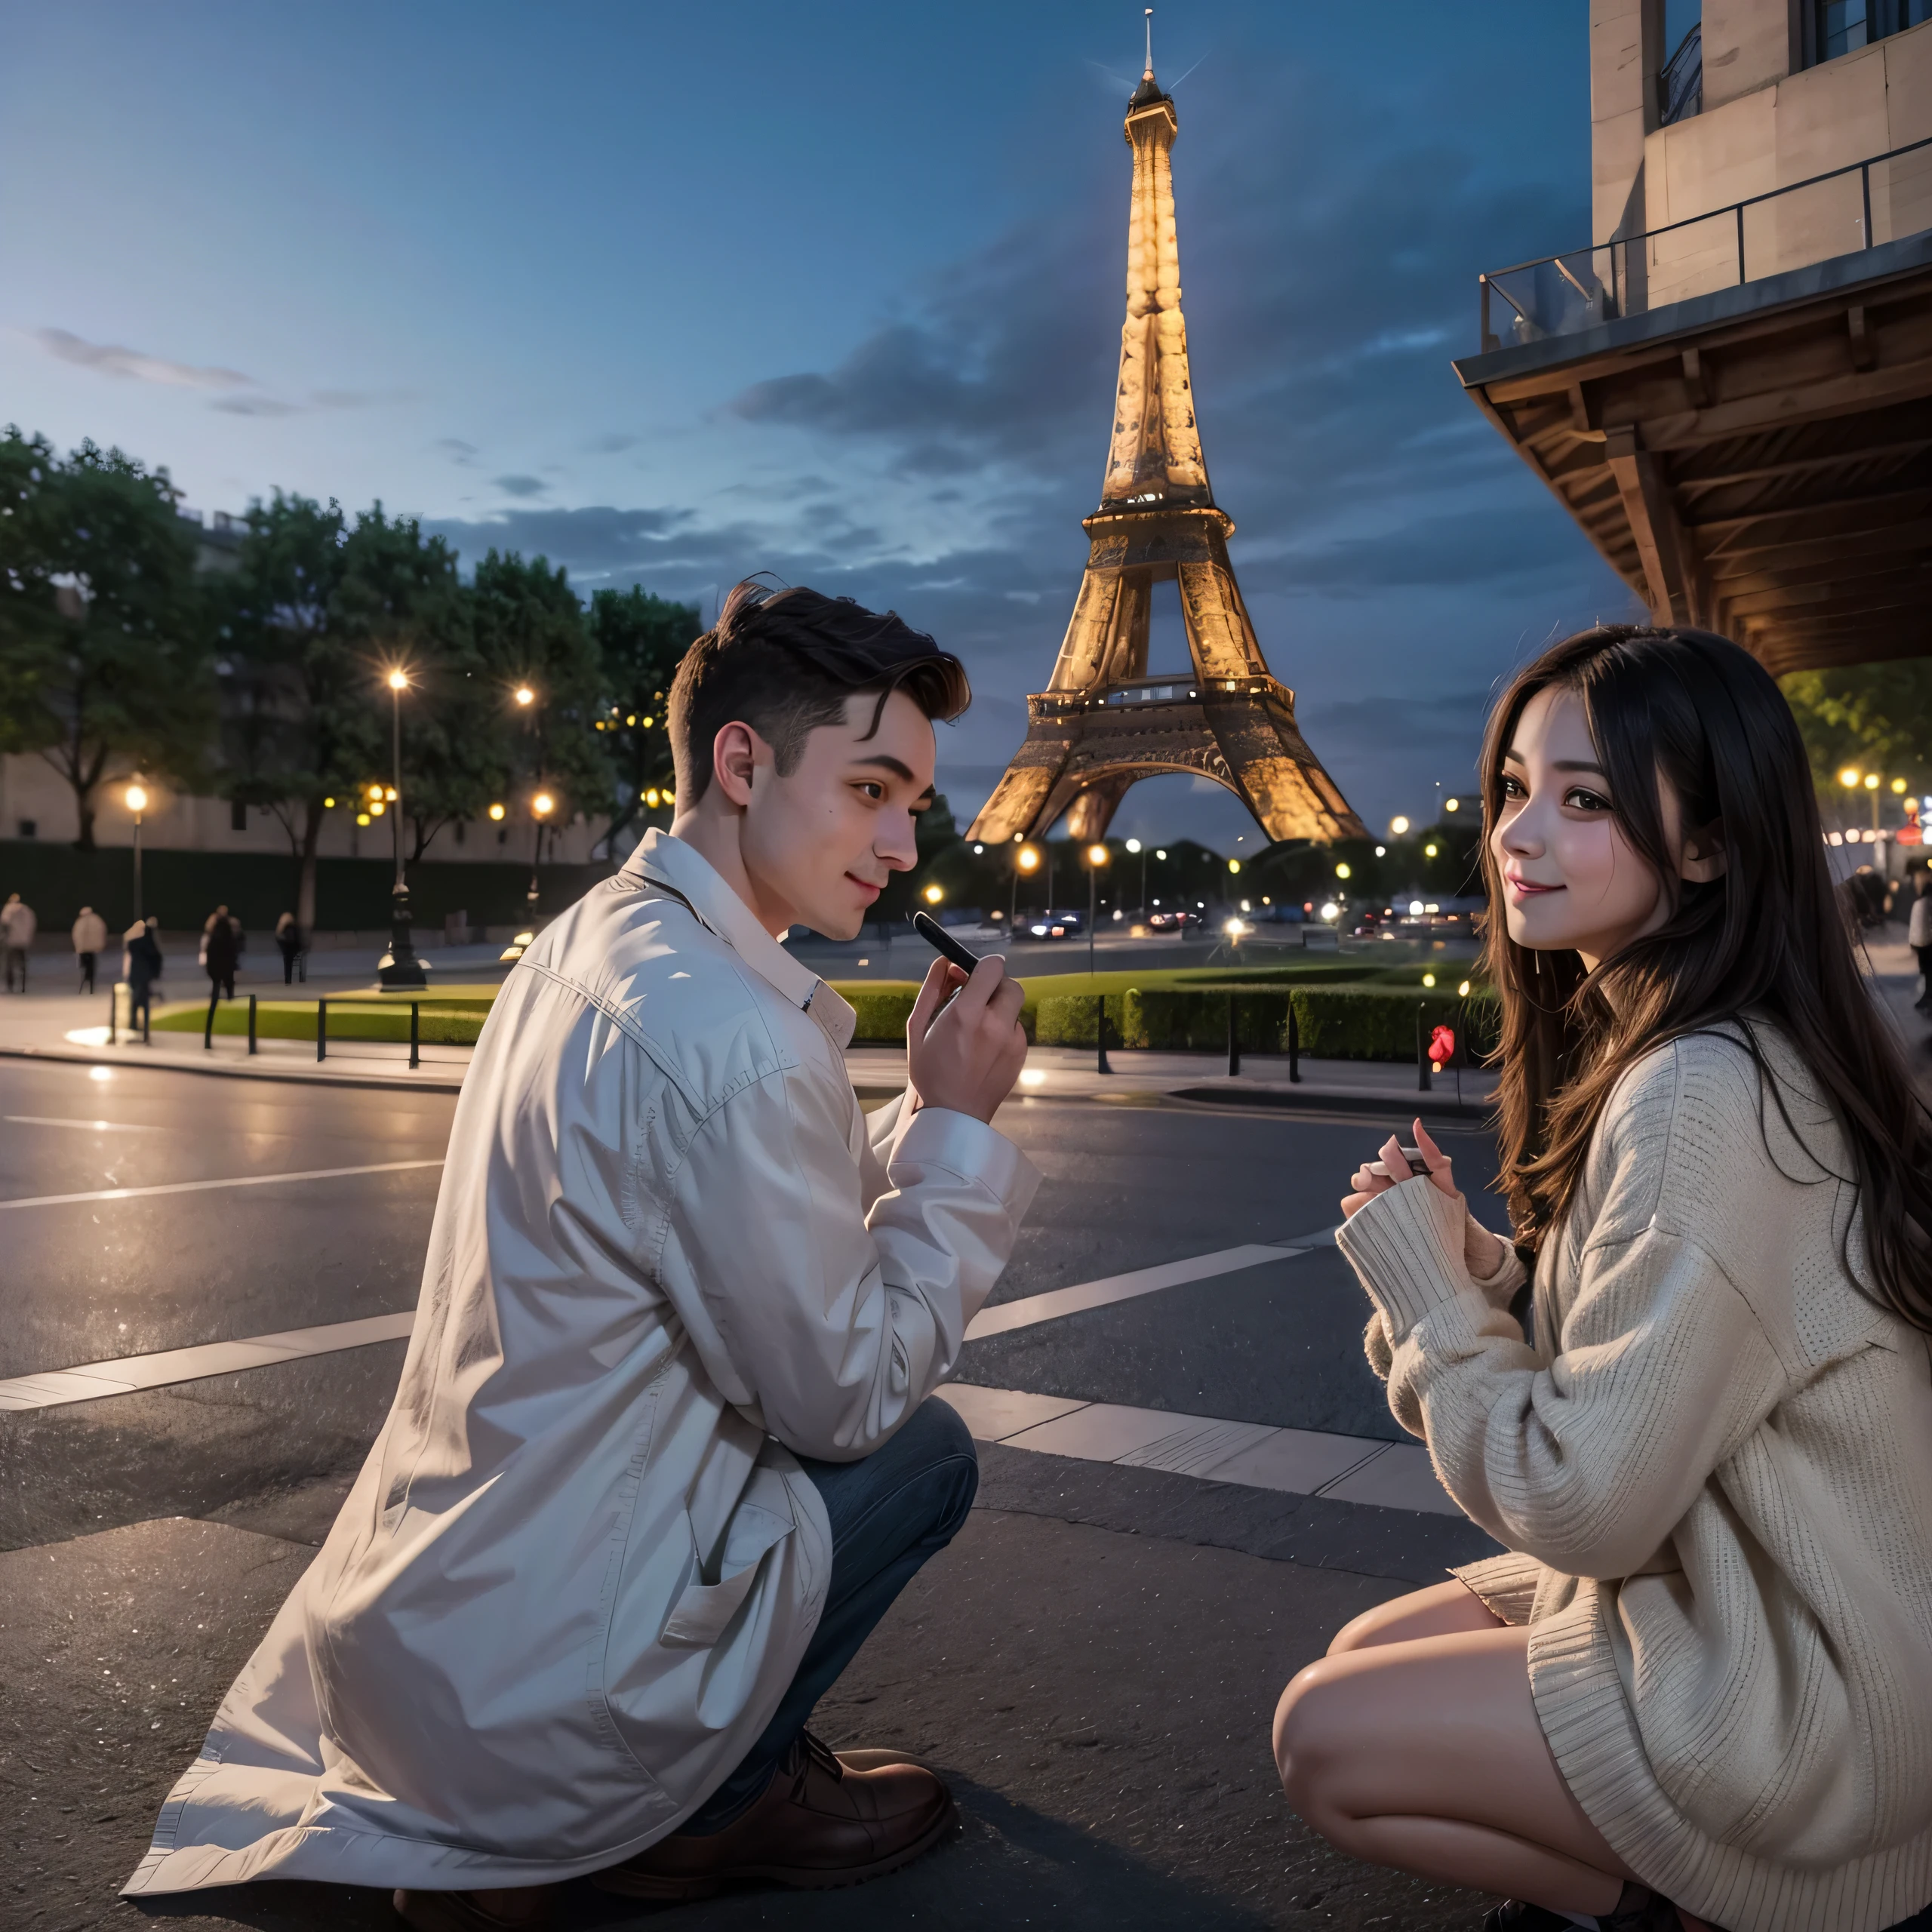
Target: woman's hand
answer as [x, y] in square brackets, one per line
[1374, 1177]
[1483, 1253]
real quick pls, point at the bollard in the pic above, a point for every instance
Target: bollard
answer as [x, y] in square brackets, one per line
[1234, 1039]
[1100, 1034]
[251, 1022]
[1422, 1052]
[1294, 1045]
[113, 1001]
[322, 1030]
[415, 1035]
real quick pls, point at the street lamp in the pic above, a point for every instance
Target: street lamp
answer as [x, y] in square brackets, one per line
[541, 807]
[1024, 860]
[524, 695]
[1135, 845]
[1397, 825]
[136, 797]
[1097, 856]
[399, 966]
[933, 895]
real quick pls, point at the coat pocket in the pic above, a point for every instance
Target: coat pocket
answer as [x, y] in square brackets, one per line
[701, 1615]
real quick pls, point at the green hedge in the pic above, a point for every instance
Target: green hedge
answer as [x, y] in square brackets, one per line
[1334, 1022]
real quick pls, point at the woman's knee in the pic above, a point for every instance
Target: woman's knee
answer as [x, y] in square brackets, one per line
[1310, 1725]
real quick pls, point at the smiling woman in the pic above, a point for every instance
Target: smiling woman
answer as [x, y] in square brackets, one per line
[1720, 1179]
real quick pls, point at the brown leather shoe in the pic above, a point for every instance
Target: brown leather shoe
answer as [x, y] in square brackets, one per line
[826, 1819]
[524, 1908]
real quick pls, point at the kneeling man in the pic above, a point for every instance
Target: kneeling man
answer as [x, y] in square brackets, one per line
[663, 1452]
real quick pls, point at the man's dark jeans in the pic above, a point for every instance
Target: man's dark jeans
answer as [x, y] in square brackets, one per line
[890, 1511]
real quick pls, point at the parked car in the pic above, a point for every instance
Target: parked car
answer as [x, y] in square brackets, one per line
[1176, 919]
[1051, 925]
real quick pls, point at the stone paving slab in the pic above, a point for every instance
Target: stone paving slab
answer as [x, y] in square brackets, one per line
[1099, 1699]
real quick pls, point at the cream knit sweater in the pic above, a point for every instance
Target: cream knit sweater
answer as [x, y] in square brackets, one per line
[1716, 1469]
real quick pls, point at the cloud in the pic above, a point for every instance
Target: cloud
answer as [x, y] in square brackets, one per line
[1459, 547]
[254, 405]
[521, 486]
[593, 544]
[459, 452]
[111, 359]
[614, 443]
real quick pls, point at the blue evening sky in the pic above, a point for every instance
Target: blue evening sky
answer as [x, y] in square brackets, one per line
[672, 293]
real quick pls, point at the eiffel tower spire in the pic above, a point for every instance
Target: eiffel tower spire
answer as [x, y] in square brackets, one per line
[1103, 722]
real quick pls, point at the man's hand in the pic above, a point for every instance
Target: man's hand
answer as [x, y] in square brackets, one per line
[967, 1057]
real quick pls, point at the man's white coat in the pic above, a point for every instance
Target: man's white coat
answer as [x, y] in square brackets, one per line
[579, 1567]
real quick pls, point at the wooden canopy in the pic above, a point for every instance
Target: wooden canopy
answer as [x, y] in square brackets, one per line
[1758, 461]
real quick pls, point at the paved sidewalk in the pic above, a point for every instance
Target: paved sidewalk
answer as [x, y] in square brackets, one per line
[1098, 1699]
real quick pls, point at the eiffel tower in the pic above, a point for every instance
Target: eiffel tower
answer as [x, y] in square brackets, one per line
[1103, 722]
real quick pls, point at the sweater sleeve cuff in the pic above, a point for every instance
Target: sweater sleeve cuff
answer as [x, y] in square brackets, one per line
[938, 1138]
[1499, 1288]
[1406, 1245]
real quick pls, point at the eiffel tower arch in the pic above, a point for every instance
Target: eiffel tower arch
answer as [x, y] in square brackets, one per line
[1103, 722]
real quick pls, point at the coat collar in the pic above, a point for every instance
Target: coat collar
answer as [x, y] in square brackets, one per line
[664, 860]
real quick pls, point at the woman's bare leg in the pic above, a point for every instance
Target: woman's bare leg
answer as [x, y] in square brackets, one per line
[1426, 1754]
[1439, 1611]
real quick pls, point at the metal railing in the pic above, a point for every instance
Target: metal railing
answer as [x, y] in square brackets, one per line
[1562, 294]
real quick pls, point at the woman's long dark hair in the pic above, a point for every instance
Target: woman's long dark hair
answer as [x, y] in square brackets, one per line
[1767, 940]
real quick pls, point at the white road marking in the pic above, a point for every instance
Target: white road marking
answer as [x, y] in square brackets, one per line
[1110, 1288]
[91, 1381]
[92, 1126]
[201, 1186]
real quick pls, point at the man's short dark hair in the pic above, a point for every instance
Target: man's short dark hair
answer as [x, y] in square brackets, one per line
[784, 662]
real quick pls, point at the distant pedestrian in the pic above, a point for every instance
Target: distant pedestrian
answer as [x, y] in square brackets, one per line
[288, 937]
[18, 927]
[221, 951]
[90, 941]
[140, 967]
[1918, 936]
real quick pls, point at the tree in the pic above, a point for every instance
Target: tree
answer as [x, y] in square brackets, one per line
[314, 614]
[401, 604]
[641, 640]
[104, 669]
[1878, 717]
[530, 634]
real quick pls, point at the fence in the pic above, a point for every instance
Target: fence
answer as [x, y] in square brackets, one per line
[1882, 199]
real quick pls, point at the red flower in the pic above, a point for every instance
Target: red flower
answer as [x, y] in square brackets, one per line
[1442, 1045]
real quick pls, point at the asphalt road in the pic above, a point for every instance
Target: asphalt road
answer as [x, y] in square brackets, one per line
[88, 1279]
[1093, 1664]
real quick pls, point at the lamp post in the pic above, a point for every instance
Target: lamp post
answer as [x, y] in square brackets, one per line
[137, 801]
[1135, 845]
[398, 967]
[541, 807]
[1871, 786]
[1097, 856]
[1024, 860]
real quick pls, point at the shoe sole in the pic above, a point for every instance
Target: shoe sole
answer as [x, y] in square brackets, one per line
[632, 1884]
